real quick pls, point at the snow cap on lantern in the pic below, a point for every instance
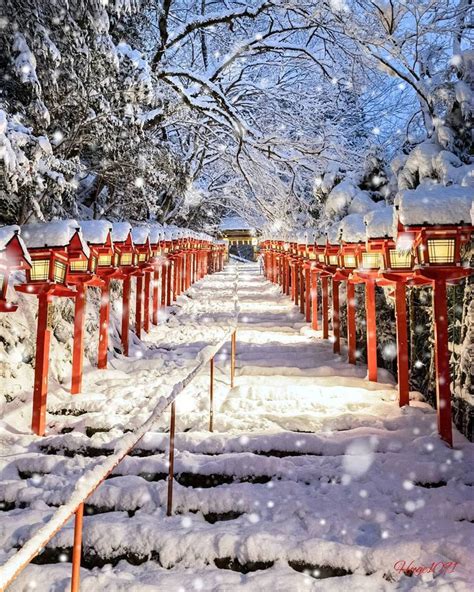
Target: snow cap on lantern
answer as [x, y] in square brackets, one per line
[123, 244]
[353, 235]
[98, 234]
[331, 253]
[52, 246]
[141, 242]
[439, 219]
[380, 241]
[13, 256]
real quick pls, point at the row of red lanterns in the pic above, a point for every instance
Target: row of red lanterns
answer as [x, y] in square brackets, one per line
[429, 255]
[64, 258]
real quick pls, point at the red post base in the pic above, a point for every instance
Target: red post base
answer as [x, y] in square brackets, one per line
[325, 306]
[402, 344]
[314, 300]
[104, 325]
[139, 307]
[443, 375]
[351, 323]
[169, 273]
[78, 344]
[156, 280]
[164, 275]
[40, 391]
[126, 315]
[302, 285]
[307, 290]
[336, 326]
[371, 330]
[146, 302]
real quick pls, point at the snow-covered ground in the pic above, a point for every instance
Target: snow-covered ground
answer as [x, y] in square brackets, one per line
[313, 479]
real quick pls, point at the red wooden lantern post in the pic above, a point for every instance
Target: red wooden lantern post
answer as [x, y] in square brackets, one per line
[98, 235]
[167, 268]
[313, 286]
[143, 271]
[125, 261]
[293, 272]
[301, 249]
[368, 265]
[13, 256]
[438, 257]
[51, 247]
[353, 237]
[320, 248]
[286, 268]
[156, 262]
[396, 267]
[331, 262]
[81, 273]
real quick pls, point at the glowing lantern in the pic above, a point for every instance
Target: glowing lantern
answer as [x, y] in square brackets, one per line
[124, 259]
[51, 246]
[439, 221]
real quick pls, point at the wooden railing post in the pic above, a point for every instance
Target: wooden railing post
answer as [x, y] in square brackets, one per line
[77, 549]
[169, 509]
[232, 359]
[211, 394]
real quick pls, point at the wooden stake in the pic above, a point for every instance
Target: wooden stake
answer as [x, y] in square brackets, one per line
[211, 394]
[77, 549]
[169, 509]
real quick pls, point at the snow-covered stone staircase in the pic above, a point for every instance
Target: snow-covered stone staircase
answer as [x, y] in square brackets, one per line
[313, 479]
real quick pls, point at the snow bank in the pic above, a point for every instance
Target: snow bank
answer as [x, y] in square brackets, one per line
[140, 234]
[333, 234]
[352, 228]
[120, 231]
[156, 233]
[235, 223]
[435, 204]
[95, 232]
[379, 223]
[347, 198]
[52, 234]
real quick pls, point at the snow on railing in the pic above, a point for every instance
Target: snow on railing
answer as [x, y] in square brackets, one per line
[93, 477]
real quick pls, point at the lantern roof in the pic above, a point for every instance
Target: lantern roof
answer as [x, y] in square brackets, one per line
[352, 229]
[435, 205]
[53, 235]
[140, 235]
[7, 233]
[379, 223]
[120, 231]
[96, 232]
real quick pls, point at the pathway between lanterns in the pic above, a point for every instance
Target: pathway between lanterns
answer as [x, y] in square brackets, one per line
[311, 472]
